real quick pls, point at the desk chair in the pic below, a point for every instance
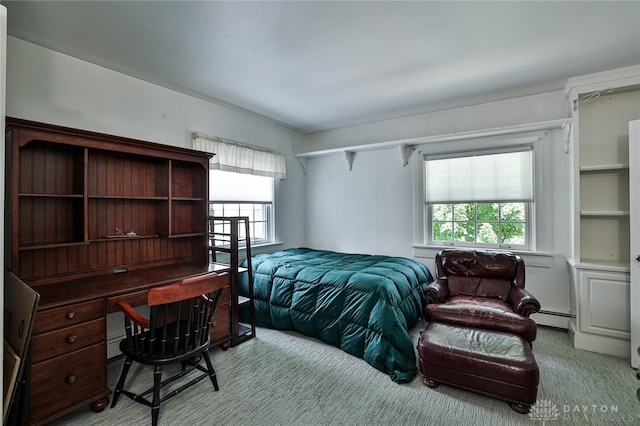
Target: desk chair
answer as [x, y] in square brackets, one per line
[177, 330]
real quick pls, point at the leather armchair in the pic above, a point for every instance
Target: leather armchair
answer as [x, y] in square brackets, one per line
[482, 289]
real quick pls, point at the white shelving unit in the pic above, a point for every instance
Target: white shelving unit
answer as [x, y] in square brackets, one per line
[602, 106]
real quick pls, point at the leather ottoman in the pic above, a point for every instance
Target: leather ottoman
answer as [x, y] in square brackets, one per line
[493, 363]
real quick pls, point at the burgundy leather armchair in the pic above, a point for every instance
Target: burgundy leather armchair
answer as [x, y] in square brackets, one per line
[482, 289]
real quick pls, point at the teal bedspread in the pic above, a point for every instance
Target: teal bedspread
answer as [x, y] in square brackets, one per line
[363, 304]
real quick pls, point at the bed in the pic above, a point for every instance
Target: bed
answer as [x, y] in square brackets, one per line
[363, 304]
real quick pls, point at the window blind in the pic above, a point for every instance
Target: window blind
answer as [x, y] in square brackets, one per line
[228, 187]
[235, 157]
[481, 177]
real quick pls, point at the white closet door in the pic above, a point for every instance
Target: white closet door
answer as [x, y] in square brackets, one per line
[634, 204]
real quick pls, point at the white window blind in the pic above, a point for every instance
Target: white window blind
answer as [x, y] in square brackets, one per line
[480, 177]
[227, 186]
[235, 157]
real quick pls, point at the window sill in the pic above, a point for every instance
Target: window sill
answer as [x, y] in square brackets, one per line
[259, 247]
[269, 244]
[531, 258]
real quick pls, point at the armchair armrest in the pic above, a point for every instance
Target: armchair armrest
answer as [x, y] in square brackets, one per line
[132, 314]
[522, 302]
[437, 291]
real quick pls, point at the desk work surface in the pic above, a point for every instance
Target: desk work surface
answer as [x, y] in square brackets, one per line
[110, 285]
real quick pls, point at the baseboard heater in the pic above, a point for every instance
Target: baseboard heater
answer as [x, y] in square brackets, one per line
[557, 314]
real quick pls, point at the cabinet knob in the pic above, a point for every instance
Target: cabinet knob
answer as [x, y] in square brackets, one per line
[71, 315]
[638, 258]
[71, 379]
[72, 339]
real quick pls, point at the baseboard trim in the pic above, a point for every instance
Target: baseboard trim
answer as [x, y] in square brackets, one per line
[551, 319]
[601, 344]
[113, 345]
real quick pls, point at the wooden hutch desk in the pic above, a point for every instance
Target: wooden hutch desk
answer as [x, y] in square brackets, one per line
[72, 198]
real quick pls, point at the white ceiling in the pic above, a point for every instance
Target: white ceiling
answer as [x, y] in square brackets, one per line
[314, 66]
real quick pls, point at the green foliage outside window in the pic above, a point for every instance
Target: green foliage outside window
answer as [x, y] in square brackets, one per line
[483, 223]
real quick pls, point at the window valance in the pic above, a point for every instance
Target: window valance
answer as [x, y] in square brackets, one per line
[236, 157]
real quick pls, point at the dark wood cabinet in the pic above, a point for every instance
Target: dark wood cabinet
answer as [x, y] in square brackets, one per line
[92, 219]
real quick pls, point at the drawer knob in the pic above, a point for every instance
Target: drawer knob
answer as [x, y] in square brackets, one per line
[71, 315]
[72, 378]
[72, 339]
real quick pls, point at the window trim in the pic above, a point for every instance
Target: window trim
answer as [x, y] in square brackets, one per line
[428, 226]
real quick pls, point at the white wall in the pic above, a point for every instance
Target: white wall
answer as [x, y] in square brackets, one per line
[46, 86]
[371, 208]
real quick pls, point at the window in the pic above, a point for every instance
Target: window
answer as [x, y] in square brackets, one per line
[242, 183]
[481, 198]
[236, 194]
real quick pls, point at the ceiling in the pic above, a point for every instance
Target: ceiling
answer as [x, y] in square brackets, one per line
[314, 66]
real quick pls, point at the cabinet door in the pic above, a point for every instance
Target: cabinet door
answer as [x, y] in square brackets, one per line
[634, 190]
[605, 304]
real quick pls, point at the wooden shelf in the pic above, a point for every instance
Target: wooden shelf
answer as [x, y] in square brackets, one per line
[51, 195]
[603, 265]
[52, 245]
[126, 197]
[604, 213]
[604, 167]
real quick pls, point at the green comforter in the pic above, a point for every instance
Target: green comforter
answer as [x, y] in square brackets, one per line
[363, 304]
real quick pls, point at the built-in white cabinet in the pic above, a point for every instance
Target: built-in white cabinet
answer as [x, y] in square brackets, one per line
[602, 105]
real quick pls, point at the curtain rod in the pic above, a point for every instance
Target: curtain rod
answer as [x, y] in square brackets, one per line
[232, 142]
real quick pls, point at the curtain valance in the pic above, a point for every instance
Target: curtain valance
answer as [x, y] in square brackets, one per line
[236, 157]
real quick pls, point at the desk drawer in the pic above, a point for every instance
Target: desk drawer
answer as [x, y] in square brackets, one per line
[67, 380]
[58, 342]
[138, 298]
[69, 315]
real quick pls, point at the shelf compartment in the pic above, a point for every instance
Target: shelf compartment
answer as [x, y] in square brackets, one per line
[187, 218]
[604, 238]
[615, 152]
[45, 221]
[107, 214]
[113, 174]
[604, 190]
[183, 179]
[51, 168]
[244, 330]
[49, 261]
